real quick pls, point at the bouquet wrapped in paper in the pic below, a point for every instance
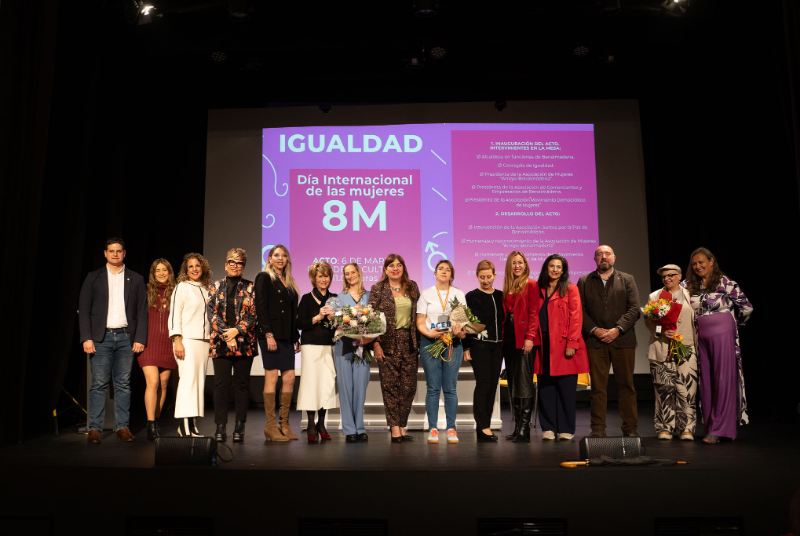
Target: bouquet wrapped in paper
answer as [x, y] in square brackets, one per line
[461, 314]
[355, 322]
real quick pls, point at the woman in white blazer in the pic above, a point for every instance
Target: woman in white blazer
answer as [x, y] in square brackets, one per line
[675, 385]
[189, 331]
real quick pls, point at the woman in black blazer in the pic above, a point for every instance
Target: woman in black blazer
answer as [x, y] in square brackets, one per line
[278, 338]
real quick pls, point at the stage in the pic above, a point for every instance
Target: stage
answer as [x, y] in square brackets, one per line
[408, 488]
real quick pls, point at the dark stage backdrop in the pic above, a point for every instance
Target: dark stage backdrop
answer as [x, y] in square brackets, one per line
[102, 136]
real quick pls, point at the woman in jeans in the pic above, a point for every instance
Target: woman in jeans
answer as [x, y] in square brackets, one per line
[441, 373]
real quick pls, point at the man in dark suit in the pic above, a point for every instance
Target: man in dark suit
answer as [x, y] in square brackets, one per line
[610, 309]
[113, 326]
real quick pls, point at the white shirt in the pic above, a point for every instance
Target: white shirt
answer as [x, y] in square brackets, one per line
[116, 299]
[187, 311]
[430, 304]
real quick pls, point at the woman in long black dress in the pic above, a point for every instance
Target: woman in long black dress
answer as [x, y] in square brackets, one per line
[278, 337]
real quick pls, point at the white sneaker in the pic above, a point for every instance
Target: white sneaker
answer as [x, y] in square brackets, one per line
[566, 437]
[549, 435]
[664, 435]
[452, 436]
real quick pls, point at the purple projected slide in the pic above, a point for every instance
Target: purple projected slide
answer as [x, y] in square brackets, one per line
[464, 192]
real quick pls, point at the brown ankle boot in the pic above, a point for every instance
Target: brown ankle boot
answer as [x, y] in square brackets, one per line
[271, 430]
[286, 401]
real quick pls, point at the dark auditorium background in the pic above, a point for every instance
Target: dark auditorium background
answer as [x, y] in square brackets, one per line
[103, 128]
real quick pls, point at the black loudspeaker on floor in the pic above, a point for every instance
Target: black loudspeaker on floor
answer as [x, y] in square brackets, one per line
[186, 450]
[615, 446]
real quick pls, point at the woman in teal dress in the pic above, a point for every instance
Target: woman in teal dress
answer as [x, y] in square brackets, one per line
[352, 373]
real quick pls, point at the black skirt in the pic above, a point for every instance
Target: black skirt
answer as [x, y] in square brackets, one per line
[283, 359]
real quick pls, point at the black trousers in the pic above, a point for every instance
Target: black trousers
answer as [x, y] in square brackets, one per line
[519, 367]
[487, 359]
[557, 396]
[222, 387]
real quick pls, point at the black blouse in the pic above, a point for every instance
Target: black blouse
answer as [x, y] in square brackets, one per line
[489, 310]
[313, 333]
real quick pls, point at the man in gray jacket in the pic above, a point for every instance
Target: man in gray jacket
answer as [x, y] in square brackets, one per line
[610, 309]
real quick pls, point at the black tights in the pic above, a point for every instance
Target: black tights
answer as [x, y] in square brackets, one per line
[320, 424]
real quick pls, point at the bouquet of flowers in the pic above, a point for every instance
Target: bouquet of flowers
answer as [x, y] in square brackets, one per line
[665, 312]
[459, 314]
[356, 322]
[462, 315]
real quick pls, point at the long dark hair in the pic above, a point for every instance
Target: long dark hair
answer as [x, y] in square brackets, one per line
[694, 281]
[563, 281]
[405, 282]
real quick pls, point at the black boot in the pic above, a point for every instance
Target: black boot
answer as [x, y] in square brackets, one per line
[152, 431]
[238, 432]
[222, 433]
[515, 410]
[526, 411]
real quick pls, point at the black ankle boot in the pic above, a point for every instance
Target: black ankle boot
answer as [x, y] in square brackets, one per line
[526, 411]
[152, 431]
[238, 432]
[222, 433]
[515, 410]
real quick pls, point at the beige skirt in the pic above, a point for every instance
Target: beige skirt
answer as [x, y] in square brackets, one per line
[317, 378]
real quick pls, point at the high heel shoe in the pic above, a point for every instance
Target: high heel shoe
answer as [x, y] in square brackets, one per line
[238, 432]
[152, 431]
[184, 429]
[312, 433]
[322, 431]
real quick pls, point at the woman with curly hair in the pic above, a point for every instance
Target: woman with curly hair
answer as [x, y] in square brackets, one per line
[157, 360]
[189, 330]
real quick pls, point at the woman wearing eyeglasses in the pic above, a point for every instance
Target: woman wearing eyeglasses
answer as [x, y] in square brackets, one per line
[278, 337]
[562, 354]
[232, 315]
[675, 385]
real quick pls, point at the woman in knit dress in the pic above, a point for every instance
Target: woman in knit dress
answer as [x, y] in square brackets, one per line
[189, 330]
[157, 361]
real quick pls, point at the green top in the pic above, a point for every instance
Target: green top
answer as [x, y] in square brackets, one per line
[403, 314]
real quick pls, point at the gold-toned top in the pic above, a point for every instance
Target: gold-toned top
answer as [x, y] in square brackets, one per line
[403, 315]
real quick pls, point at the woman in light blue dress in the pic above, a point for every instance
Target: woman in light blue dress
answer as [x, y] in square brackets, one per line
[352, 376]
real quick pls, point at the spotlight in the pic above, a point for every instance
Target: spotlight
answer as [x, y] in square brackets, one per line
[437, 53]
[325, 108]
[238, 10]
[219, 58]
[500, 105]
[607, 60]
[146, 9]
[251, 64]
[675, 6]
[580, 52]
[609, 6]
[425, 8]
[415, 62]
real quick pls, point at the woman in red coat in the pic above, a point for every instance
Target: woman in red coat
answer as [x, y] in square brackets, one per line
[520, 335]
[562, 354]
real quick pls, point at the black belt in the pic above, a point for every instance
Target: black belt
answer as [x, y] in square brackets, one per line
[116, 330]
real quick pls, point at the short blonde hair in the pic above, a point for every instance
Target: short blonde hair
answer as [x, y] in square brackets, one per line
[236, 254]
[319, 267]
[484, 265]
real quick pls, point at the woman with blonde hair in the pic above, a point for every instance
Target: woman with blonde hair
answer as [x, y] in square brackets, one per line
[317, 393]
[157, 360]
[520, 334]
[278, 338]
[189, 330]
[352, 373]
[232, 315]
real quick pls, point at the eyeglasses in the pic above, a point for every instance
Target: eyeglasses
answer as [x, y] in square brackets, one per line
[670, 276]
[234, 263]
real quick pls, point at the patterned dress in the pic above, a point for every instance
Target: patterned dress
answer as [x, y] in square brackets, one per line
[727, 299]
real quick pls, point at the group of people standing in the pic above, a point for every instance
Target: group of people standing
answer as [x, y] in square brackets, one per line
[547, 327]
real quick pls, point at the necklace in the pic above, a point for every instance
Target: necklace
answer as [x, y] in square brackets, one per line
[395, 289]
